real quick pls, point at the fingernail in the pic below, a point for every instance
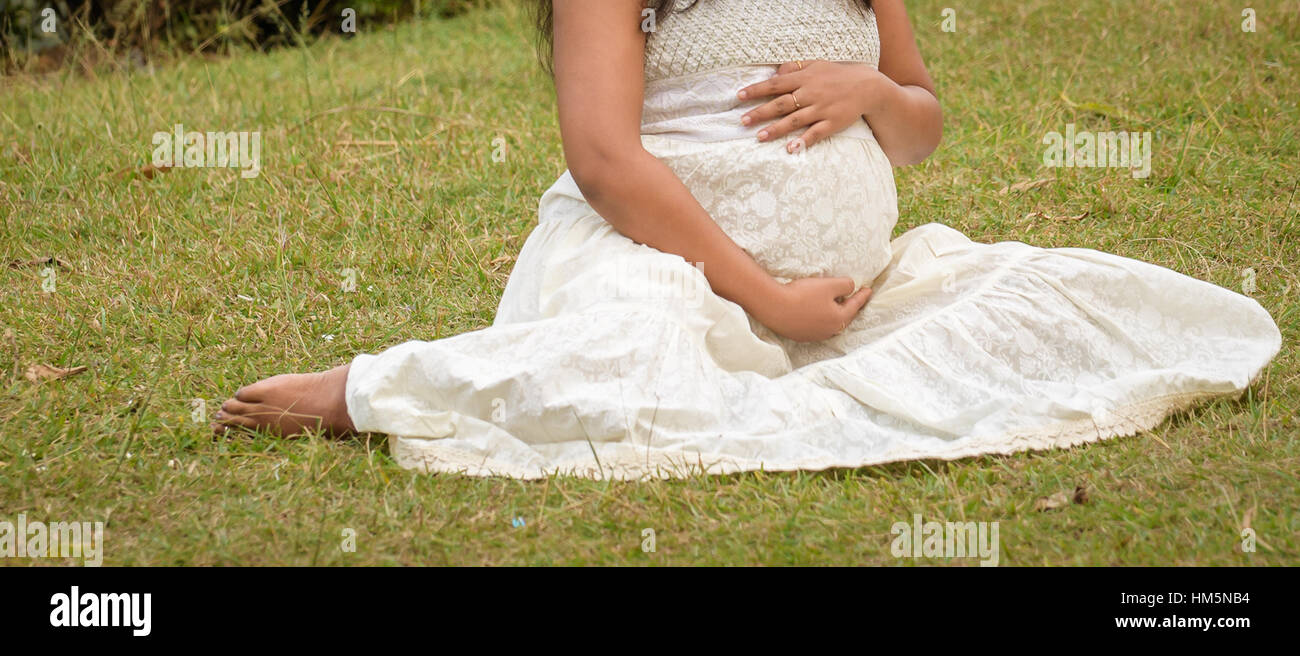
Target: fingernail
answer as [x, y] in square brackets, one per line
[745, 120]
[762, 135]
[743, 94]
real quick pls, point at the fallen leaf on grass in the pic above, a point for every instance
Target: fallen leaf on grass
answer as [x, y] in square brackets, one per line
[40, 261]
[493, 267]
[1062, 499]
[1025, 185]
[39, 372]
[1102, 109]
[498, 261]
[149, 171]
[1049, 217]
[1058, 500]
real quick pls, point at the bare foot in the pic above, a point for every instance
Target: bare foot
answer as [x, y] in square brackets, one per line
[290, 405]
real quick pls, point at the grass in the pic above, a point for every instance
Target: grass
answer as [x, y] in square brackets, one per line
[187, 284]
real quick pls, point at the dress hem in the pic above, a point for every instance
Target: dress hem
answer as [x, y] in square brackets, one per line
[428, 456]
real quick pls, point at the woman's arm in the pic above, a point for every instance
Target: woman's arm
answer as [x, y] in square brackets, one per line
[901, 104]
[599, 83]
[897, 100]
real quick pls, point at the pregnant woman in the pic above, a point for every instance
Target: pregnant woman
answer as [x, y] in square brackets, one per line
[711, 286]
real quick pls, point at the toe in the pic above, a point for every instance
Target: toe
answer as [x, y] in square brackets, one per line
[228, 420]
[245, 393]
[255, 392]
[227, 429]
[236, 407]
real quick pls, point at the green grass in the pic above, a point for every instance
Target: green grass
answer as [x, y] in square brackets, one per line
[153, 300]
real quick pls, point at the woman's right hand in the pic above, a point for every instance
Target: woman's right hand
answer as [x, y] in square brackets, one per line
[813, 309]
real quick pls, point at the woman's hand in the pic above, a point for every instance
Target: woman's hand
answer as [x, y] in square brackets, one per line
[812, 309]
[897, 99]
[828, 96]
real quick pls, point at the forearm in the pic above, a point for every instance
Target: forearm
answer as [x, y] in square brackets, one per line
[906, 120]
[645, 201]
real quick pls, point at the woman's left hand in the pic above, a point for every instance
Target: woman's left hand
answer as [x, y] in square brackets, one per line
[824, 96]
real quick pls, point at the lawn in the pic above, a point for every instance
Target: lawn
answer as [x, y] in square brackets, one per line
[409, 160]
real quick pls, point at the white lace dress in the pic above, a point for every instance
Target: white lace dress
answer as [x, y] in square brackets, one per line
[612, 359]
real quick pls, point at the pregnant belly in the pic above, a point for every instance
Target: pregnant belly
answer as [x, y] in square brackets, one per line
[828, 211]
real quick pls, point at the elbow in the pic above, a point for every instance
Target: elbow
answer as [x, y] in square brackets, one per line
[592, 180]
[599, 170]
[926, 149]
[910, 157]
[919, 149]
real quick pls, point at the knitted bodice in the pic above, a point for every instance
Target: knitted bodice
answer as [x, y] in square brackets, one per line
[701, 35]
